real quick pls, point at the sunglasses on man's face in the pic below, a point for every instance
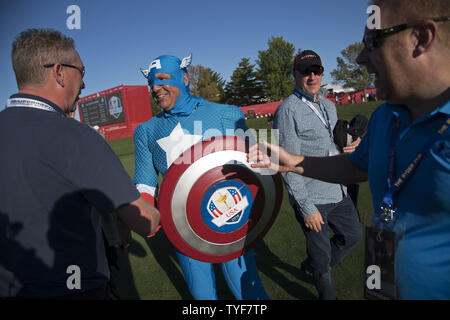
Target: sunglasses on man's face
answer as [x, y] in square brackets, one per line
[317, 70]
[373, 39]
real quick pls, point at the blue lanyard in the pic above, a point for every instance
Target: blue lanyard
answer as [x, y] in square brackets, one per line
[395, 185]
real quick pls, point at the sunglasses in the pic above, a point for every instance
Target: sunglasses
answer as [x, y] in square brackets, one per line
[373, 39]
[82, 70]
[317, 70]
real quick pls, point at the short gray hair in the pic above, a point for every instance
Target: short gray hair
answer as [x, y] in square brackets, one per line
[34, 48]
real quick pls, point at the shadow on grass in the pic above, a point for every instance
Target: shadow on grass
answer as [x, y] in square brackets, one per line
[164, 253]
[269, 264]
[123, 276]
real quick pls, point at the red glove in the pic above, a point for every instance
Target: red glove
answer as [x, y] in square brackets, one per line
[150, 199]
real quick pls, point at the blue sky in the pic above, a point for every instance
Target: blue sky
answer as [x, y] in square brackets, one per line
[118, 37]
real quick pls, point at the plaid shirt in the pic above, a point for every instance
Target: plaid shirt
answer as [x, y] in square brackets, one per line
[302, 132]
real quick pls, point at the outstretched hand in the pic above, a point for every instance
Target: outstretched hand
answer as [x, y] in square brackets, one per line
[267, 155]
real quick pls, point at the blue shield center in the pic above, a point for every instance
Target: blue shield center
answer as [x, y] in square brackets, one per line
[226, 206]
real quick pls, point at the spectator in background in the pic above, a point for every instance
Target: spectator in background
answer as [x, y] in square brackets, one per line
[305, 121]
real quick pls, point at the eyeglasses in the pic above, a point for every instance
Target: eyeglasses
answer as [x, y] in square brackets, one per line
[317, 70]
[372, 39]
[82, 70]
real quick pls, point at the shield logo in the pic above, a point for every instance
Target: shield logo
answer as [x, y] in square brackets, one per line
[115, 107]
[227, 202]
[226, 206]
[214, 206]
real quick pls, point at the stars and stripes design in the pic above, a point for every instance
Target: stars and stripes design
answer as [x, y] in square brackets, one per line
[214, 210]
[235, 194]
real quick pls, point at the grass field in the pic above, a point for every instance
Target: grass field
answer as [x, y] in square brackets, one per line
[149, 269]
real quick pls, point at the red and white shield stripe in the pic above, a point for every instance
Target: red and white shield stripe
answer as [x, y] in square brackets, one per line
[181, 194]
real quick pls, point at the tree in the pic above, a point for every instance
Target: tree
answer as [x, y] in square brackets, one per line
[244, 89]
[217, 78]
[206, 83]
[275, 68]
[348, 72]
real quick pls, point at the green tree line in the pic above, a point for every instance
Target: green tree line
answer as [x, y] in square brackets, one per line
[270, 78]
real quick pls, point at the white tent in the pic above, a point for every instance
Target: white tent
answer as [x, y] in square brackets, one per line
[336, 88]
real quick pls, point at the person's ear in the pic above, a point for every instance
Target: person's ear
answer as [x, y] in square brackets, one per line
[425, 36]
[57, 74]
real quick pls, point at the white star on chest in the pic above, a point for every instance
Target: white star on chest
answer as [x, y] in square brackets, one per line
[177, 143]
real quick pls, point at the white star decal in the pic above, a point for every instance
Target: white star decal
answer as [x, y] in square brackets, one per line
[176, 143]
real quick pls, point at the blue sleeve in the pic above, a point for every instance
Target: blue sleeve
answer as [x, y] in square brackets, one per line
[144, 170]
[360, 157]
[362, 154]
[233, 118]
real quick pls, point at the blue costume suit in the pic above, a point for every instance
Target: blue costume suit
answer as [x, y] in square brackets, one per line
[202, 120]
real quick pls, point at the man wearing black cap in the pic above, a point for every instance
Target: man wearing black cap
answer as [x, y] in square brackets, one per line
[305, 121]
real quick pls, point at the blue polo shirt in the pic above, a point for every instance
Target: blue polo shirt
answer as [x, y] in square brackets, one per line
[422, 223]
[53, 171]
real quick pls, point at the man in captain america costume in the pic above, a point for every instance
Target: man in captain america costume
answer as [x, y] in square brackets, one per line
[163, 138]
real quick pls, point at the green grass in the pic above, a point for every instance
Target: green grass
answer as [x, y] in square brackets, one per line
[348, 111]
[149, 269]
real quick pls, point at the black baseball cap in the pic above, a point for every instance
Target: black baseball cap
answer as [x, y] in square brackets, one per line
[305, 59]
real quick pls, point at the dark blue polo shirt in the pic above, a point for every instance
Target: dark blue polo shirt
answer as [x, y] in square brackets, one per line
[53, 171]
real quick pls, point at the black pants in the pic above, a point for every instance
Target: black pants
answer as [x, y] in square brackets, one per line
[324, 253]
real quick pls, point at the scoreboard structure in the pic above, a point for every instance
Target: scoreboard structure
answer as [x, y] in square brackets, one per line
[116, 111]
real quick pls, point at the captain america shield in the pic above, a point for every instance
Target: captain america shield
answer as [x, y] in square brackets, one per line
[214, 206]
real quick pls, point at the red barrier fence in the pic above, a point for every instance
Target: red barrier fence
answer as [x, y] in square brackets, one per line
[266, 109]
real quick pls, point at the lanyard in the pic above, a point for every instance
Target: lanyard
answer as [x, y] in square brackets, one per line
[29, 103]
[313, 108]
[395, 185]
[395, 135]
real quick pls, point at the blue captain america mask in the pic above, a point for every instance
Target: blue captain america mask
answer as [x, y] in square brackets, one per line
[176, 68]
[170, 65]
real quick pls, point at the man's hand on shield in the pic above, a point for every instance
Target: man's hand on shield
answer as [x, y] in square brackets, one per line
[267, 155]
